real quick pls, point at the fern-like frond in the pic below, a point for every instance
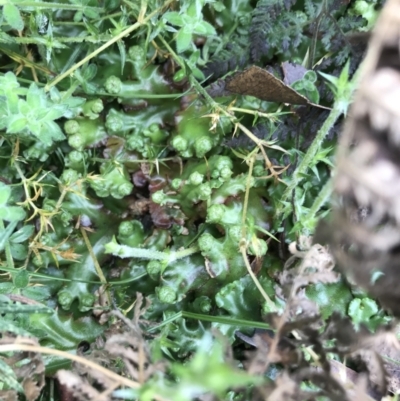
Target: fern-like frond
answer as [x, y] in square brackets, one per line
[272, 27]
[234, 55]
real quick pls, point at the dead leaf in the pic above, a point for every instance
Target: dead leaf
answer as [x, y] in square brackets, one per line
[258, 82]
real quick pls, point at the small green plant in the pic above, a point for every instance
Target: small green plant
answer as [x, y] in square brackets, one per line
[33, 116]
[190, 22]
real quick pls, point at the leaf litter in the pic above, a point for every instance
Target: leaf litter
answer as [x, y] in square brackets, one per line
[299, 343]
[303, 344]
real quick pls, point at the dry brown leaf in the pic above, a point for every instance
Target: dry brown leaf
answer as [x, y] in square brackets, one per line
[260, 83]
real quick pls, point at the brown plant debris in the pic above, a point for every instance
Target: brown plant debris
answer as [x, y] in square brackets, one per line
[364, 234]
[316, 266]
[27, 370]
[301, 344]
[260, 83]
[302, 352]
[126, 345]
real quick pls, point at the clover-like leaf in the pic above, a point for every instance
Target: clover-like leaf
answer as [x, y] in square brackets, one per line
[5, 193]
[10, 89]
[6, 233]
[23, 233]
[12, 213]
[21, 279]
[19, 251]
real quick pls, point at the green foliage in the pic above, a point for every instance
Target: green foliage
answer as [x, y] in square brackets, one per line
[18, 242]
[341, 87]
[120, 174]
[207, 373]
[273, 28]
[9, 377]
[279, 28]
[331, 298]
[114, 181]
[84, 132]
[306, 86]
[35, 115]
[193, 136]
[240, 298]
[190, 21]
[362, 309]
[7, 212]
[367, 10]
[13, 16]
[208, 363]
